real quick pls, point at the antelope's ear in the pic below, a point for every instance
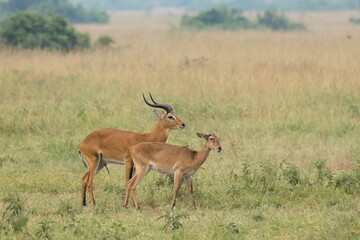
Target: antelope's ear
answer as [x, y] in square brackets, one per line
[158, 114]
[204, 136]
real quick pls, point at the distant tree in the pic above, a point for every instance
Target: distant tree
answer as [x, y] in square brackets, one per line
[275, 20]
[221, 18]
[76, 14]
[258, 5]
[30, 30]
[355, 20]
[224, 18]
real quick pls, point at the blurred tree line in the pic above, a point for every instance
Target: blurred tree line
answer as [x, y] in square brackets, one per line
[73, 13]
[232, 19]
[244, 5]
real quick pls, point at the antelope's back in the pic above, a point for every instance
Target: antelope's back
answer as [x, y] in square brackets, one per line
[109, 141]
[158, 150]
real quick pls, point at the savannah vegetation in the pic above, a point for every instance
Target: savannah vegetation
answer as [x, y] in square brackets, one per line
[30, 30]
[354, 20]
[74, 13]
[233, 19]
[285, 105]
[297, 5]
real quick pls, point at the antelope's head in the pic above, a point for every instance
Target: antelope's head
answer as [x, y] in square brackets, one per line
[168, 119]
[212, 141]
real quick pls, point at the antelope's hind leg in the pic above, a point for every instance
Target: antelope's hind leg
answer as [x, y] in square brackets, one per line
[92, 164]
[133, 183]
[129, 177]
[83, 188]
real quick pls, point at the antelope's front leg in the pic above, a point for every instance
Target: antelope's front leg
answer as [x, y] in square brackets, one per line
[190, 189]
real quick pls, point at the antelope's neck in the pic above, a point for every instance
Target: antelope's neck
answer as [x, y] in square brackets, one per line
[201, 156]
[158, 133]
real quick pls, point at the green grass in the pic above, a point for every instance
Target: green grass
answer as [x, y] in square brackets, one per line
[286, 107]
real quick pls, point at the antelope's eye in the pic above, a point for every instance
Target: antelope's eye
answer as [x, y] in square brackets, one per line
[170, 117]
[211, 138]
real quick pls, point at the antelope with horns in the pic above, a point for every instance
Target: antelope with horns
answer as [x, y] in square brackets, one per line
[112, 146]
[169, 159]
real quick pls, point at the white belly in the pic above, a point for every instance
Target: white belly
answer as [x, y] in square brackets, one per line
[115, 161]
[166, 171]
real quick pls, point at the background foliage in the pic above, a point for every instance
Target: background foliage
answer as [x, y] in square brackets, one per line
[232, 19]
[275, 20]
[303, 5]
[29, 30]
[355, 20]
[73, 13]
[217, 18]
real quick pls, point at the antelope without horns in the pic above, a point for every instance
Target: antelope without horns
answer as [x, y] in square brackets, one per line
[169, 159]
[112, 145]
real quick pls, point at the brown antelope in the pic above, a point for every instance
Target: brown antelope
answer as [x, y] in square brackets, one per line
[169, 159]
[112, 146]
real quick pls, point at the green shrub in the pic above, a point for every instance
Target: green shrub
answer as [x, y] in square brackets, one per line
[277, 21]
[221, 18]
[45, 230]
[172, 220]
[30, 30]
[292, 174]
[13, 218]
[349, 182]
[104, 41]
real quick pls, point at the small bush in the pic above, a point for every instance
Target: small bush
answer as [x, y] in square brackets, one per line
[278, 21]
[30, 30]
[349, 182]
[291, 174]
[45, 230]
[104, 41]
[172, 220]
[13, 218]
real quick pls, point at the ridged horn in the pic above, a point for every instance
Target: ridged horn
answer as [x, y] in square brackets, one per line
[166, 107]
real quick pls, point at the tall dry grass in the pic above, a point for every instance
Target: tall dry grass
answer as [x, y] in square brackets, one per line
[272, 97]
[242, 83]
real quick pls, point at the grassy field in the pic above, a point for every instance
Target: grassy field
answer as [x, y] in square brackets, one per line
[286, 105]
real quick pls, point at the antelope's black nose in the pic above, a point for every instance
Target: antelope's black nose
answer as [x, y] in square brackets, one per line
[182, 125]
[219, 149]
